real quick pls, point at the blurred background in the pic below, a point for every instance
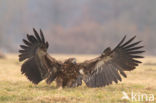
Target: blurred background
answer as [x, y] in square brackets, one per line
[78, 26]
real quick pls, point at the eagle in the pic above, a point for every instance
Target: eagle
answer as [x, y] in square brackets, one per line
[105, 69]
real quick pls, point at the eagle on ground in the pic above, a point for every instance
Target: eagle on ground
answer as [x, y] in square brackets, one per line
[103, 70]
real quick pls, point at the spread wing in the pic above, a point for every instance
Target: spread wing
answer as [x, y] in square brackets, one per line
[38, 64]
[109, 67]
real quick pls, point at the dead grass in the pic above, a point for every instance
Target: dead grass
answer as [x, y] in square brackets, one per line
[15, 88]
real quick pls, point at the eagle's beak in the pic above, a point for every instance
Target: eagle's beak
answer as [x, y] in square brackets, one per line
[74, 61]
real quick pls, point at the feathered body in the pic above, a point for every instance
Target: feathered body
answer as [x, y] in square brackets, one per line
[98, 72]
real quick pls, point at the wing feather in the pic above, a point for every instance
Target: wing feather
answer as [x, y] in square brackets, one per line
[109, 67]
[38, 65]
[36, 35]
[30, 71]
[26, 42]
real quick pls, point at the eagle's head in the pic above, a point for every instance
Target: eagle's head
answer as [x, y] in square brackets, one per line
[70, 61]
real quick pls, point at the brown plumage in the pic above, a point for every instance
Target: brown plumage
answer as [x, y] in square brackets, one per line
[98, 72]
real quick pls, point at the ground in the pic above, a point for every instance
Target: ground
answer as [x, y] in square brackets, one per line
[15, 88]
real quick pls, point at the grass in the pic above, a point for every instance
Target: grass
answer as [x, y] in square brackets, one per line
[15, 88]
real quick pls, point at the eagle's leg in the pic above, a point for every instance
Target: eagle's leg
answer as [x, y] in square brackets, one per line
[69, 84]
[59, 82]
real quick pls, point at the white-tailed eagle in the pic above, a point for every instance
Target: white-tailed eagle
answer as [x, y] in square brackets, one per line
[101, 71]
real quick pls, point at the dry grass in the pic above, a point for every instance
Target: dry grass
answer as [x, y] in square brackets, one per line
[15, 88]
